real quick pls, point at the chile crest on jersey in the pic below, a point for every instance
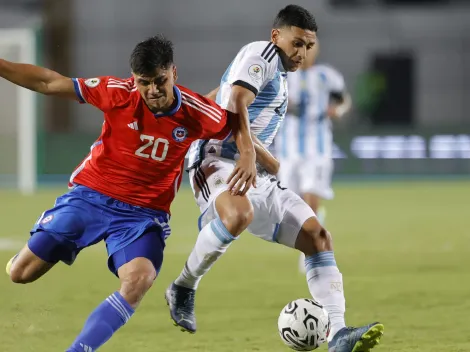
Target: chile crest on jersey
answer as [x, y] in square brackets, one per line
[180, 133]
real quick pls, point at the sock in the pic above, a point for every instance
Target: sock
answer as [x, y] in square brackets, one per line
[212, 242]
[105, 320]
[325, 283]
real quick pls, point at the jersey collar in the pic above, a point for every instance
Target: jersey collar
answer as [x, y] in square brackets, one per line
[177, 106]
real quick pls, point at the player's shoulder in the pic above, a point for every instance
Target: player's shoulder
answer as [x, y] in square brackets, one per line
[263, 50]
[257, 47]
[119, 89]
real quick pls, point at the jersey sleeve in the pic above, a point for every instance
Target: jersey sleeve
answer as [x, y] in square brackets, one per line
[94, 91]
[252, 69]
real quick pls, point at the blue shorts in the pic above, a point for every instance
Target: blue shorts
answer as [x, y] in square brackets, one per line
[84, 217]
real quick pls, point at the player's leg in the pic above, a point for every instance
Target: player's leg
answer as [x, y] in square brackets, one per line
[231, 217]
[301, 229]
[26, 267]
[137, 266]
[225, 218]
[50, 242]
[315, 185]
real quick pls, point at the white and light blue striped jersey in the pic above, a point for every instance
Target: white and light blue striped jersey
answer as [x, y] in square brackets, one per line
[258, 68]
[309, 131]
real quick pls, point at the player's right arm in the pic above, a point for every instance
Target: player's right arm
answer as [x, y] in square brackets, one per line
[38, 79]
[244, 174]
[247, 76]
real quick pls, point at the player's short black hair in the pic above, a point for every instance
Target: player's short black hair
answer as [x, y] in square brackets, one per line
[152, 53]
[297, 16]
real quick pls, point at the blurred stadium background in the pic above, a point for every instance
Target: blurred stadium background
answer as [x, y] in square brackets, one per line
[402, 160]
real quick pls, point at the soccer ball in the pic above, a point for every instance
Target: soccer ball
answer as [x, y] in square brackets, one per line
[303, 324]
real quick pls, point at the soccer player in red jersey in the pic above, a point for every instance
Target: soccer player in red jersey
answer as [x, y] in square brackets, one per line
[121, 193]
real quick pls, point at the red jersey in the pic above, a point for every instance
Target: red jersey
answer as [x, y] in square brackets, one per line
[139, 156]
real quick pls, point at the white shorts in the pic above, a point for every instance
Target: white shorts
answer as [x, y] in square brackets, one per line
[279, 213]
[308, 175]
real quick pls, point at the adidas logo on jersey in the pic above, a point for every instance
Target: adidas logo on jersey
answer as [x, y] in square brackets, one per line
[133, 125]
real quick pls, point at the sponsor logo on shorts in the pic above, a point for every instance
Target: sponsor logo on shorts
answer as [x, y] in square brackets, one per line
[218, 182]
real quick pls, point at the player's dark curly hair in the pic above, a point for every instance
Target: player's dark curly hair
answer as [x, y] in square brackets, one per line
[297, 16]
[152, 53]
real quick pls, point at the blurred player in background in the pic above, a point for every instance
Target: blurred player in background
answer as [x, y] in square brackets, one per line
[304, 143]
[121, 193]
[255, 85]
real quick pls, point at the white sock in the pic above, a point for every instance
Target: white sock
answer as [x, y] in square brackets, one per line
[212, 242]
[325, 283]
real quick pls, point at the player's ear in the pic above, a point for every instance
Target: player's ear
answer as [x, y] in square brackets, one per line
[175, 73]
[275, 35]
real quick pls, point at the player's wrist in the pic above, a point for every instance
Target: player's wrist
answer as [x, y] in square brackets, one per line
[248, 153]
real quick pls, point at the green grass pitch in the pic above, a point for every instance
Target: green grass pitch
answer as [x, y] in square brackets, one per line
[403, 249]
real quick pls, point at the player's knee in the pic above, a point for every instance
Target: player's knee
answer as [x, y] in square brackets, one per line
[237, 220]
[136, 283]
[314, 238]
[25, 267]
[19, 275]
[236, 214]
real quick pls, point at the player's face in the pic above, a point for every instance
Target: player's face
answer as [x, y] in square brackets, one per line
[157, 90]
[294, 43]
[311, 56]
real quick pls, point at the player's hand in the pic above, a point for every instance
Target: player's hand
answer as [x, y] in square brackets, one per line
[332, 112]
[244, 175]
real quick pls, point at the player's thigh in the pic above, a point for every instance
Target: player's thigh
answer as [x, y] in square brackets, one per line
[71, 225]
[135, 232]
[137, 265]
[150, 246]
[281, 217]
[209, 179]
[315, 178]
[210, 189]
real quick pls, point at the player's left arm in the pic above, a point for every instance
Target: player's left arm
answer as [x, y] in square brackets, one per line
[264, 157]
[340, 104]
[340, 100]
[38, 79]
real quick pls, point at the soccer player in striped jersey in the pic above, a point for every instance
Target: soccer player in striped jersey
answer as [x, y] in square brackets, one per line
[304, 143]
[121, 193]
[255, 85]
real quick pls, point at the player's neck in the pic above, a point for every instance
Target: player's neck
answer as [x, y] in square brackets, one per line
[172, 102]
